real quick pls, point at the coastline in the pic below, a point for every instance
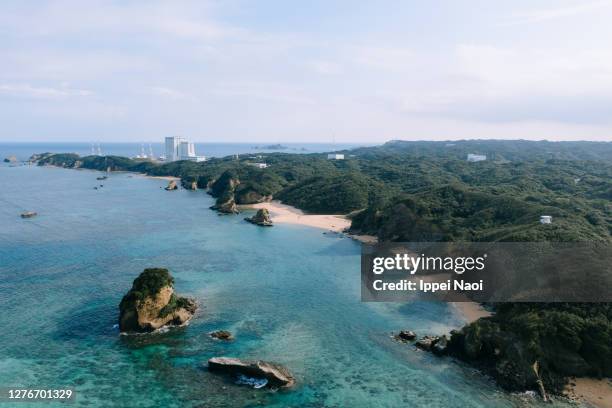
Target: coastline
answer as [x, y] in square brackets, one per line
[286, 214]
[597, 393]
[471, 311]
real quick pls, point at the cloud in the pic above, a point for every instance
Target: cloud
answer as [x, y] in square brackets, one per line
[537, 16]
[384, 57]
[168, 93]
[269, 91]
[31, 92]
[325, 67]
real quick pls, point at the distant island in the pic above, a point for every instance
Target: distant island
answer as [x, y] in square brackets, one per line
[271, 147]
[486, 190]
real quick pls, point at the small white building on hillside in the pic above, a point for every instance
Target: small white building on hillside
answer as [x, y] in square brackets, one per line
[335, 156]
[476, 157]
[545, 219]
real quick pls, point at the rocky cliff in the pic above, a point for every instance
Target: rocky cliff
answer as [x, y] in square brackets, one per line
[262, 218]
[151, 303]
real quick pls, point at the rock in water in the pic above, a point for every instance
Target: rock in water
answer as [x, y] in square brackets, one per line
[427, 342]
[277, 376]
[171, 185]
[224, 188]
[226, 204]
[406, 335]
[28, 214]
[151, 304]
[261, 218]
[440, 347]
[222, 335]
[10, 159]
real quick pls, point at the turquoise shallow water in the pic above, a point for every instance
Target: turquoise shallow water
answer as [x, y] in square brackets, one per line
[289, 294]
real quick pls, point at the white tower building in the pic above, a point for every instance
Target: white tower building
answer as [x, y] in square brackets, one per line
[172, 148]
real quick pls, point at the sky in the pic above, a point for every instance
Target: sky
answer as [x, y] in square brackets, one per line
[309, 71]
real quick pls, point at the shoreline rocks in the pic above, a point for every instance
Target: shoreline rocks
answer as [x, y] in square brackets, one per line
[222, 335]
[262, 218]
[226, 204]
[405, 335]
[151, 304]
[427, 342]
[171, 185]
[277, 375]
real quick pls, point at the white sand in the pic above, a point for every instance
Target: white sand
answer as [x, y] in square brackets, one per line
[471, 311]
[597, 393]
[285, 214]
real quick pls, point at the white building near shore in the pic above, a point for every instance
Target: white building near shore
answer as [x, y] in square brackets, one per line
[335, 156]
[178, 148]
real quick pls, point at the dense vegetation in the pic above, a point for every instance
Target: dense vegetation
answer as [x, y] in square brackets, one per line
[416, 191]
[567, 339]
[147, 284]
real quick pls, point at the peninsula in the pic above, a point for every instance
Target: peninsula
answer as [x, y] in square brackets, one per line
[437, 191]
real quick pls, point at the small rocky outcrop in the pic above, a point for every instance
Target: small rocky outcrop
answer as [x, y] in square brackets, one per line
[171, 185]
[226, 204]
[10, 159]
[189, 183]
[224, 189]
[277, 375]
[427, 342]
[222, 335]
[405, 335]
[440, 347]
[227, 182]
[262, 218]
[28, 214]
[151, 304]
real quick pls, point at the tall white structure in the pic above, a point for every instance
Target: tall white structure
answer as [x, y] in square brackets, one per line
[186, 150]
[172, 148]
[177, 148]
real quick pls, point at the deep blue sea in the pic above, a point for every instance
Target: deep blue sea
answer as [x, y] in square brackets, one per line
[290, 294]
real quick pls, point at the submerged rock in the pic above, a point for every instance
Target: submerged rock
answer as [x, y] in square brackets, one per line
[277, 375]
[440, 347]
[151, 304]
[262, 218]
[405, 335]
[171, 185]
[427, 342]
[222, 335]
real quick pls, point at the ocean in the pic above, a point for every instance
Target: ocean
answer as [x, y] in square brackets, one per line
[289, 294]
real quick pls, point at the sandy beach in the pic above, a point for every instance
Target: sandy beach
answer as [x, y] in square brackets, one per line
[597, 393]
[168, 178]
[471, 311]
[285, 214]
